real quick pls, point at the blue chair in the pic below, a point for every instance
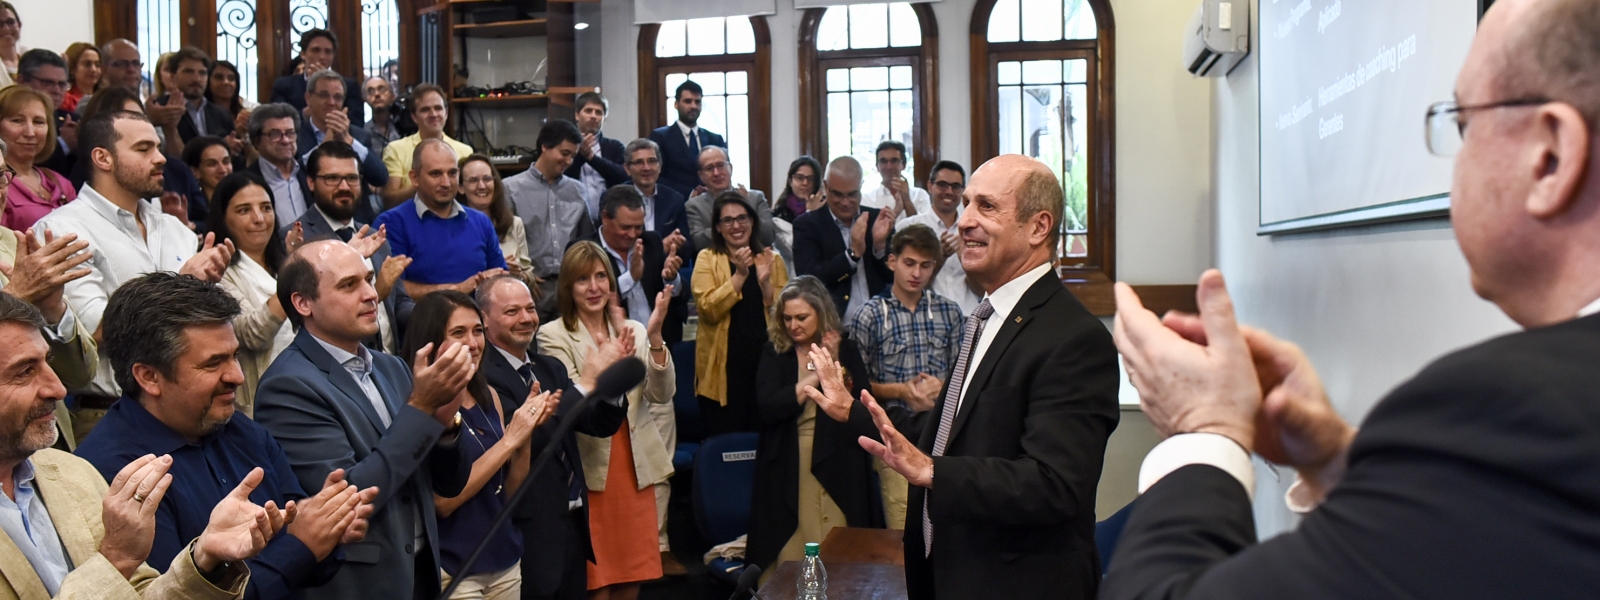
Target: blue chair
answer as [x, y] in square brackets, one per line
[685, 407]
[1106, 533]
[724, 475]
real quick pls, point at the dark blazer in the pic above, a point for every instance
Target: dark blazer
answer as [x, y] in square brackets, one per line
[670, 215]
[655, 257]
[217, 121]
[1475, 479]
[608, 163]
[680, 166]
[373, 173]
[543, 509]
[178, 177]
[1013, 496]
[314, 227]
[318, 413]
[837, 461]
[820, 251]
[291, 89]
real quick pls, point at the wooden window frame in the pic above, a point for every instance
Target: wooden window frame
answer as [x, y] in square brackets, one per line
[924, 59]
[1086, 276]
[652, 91]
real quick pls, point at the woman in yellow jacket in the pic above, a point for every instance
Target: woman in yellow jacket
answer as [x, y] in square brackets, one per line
[734, 284]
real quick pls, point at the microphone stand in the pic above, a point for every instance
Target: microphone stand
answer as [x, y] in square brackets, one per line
[563, 428]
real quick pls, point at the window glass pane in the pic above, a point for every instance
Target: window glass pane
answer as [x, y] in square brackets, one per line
[738, 82]
[838, 80]
[158, 34]
[900, 115]
[706, 36]
[904, 29]
[1080, 21]
[738, 128]
[741, 36]
[710, 83]
[833, 33]
[1010, 112]
[671, 40]
[1077, 170]
[1041, 20]
[1004, 22]
[1041, 71]
[1075, 71]
[236, 41]
[869, 78]
[838, 124]
[900, 77]
[869, 26]
[673, 81]
[1010, 73]
[869, 124]
[380, 42]
[305, 15]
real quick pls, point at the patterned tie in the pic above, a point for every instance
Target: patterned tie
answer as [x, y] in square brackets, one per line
[526, 371]
[952, 401]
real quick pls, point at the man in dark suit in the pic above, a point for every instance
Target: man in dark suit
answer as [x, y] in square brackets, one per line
[190, 70]
[333, 404]
[1475, 479]
[856, 271]
[317, 48]
[1004, 472]
[324, 121]
[663, 206]
[680, 143]
[554, 513]
[334, 216]
[645, 261]
[598, 164]
[274, 131]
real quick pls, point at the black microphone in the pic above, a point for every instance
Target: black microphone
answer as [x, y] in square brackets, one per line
[747, 582]
[611, 385]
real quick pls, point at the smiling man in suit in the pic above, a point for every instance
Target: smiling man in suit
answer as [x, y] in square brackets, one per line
[333, 404]
[325, 122]
[846, 245]
[681, 142]
[317, 49]
[1005, 467]
[554, 514]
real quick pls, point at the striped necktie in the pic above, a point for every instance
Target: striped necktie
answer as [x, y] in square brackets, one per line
[952, 402]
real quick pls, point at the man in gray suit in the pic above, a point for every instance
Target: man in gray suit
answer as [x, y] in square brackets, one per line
[331, 170]
[333, 404]
[716, 177]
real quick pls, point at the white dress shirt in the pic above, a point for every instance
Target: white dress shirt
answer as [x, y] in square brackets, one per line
[881, 197]
[1003, 301]
[631, 288]
[951, 281]
[120, 255]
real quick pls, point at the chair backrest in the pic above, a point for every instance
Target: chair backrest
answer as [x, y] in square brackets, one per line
[724, 475]
[1106, 533]
[684, 404]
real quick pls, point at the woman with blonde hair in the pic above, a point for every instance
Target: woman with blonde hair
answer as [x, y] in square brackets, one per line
[28, 127]
[622, 471]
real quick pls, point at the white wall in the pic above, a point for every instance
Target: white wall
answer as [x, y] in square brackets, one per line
[1163, 124]
[1370, 305]
[55, 24]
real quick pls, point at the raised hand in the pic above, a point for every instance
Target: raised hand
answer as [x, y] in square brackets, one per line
[296, 237]
[176, 205]
[534, 412]
[617, 317]
[895, 450]
[858, 235]
[128, 511]
[587, 147]
[830, 340]
[596, 359]
[357, 530]
[673, 242]
[1297, 425]
[669, 268]
[834, 397]
[238, 529]
[437, 385]
[742, 260]
[39, 272]
[367, 241]
[390, 273]
[763, 262]
[816, 200]
[658, 317]
[338, 123]
[882, 227]
[324, 518]
[951, 242]
[211, 261]
[636, 260]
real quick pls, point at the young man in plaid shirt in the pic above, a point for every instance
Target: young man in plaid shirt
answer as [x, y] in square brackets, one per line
[908, 337]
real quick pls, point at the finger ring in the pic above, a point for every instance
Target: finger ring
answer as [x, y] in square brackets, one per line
[138, 497]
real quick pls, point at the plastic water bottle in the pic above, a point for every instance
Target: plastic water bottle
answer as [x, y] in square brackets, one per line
[813, 581]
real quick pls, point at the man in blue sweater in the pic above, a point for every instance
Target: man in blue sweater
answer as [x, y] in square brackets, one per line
[450, 246]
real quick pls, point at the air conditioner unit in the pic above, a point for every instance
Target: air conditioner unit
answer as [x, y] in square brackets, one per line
[1217, 38]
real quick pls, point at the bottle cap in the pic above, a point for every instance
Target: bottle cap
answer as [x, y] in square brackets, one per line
[812, 548]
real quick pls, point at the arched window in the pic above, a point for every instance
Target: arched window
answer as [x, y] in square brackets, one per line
[236, 42]
[730, 57]
[868, 74]
[380, 42]
[305, 15]
[1045, 91]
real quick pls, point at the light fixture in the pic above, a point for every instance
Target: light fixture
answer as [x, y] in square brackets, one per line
[581, 26]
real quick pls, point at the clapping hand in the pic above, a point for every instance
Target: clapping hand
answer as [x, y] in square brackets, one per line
[924, 392]
[324, 520]
[128, 511]
[390, 274]
[951, 241]
[882, 227]
[658, 317]
[858, 235]
[742, 260]
[763, 262]
[437, 386]
[239, 529]
[673, 242]
[587, 147]
[600, 357]
[39, 272]
[211, 261]
[296, 236]
[338, 123]
[834, 397]
[534, 412]
[366, 241]
[636, 260]
[176, 205]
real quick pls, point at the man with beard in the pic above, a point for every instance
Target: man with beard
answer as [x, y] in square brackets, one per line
[190, 71]
[127, 235]
[450, 247]
[553, 515]
[172, 346]
[330, 169]
[598, 164]
[681, 142]
[69, 535]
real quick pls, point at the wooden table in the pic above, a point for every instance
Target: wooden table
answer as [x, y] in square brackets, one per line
[862, 564]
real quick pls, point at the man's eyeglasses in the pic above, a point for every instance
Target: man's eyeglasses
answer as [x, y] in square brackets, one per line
[952, 186]
[1445, 130]
[639, 162]
[731, 221]
[9, 23]
[126, 64]
[335, 97]
[278, 135]
[332, 180]
[717, 166]
[60, 84]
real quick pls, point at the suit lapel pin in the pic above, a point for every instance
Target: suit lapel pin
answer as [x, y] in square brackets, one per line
[1019, 319]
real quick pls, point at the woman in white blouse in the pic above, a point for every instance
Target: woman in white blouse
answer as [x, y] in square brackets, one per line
[482, 189]
[241, 210]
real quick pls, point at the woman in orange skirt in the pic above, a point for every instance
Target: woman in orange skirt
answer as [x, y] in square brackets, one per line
[620, 471]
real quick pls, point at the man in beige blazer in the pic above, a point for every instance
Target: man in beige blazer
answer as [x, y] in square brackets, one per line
[67, 534]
